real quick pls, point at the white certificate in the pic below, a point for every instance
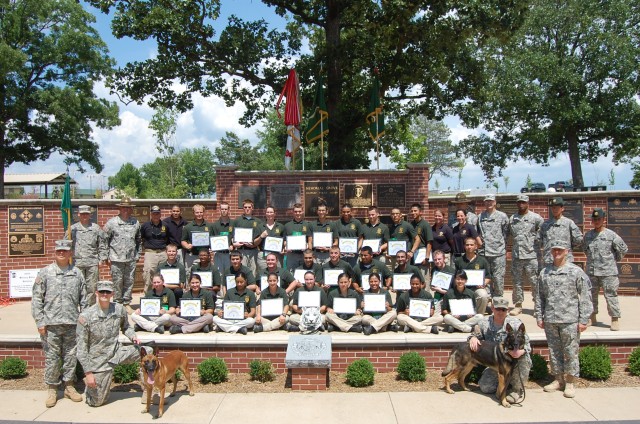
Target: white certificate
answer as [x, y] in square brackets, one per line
[21, 282]
[374, 244]
[200, 239]
[394, 246]
[331, 276]
[475, 277]
[206, 277]
[190, 307]
[441, 279]
[171, 276]
[232, 310]
[364, 282]
[375, 303]
[298, 274]
[273, 244]
[219, 243]
[271, 307]
[296, 242]
[243, 235]
[150, 306]
[402, 281]
[231, 281]
[461, 307]
[420, 308]
[348, 244]
[344, 305]
[322, 239]
[308, 298]
[264, 284]
[420, 255]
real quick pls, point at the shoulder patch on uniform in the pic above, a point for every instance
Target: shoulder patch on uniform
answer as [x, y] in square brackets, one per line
[38, 280]
[81, 320]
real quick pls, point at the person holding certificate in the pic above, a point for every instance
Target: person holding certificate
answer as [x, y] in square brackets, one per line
[246, 236]
[235, 268]
[308, 295]
[173, 272]
[377, 308]
[344, 308]
[412, 311]
[309, 264]
[348, 229]
[185, 323]
[374, 234]
[368, 266]
[321, 235]
[153, 316]
[470, 261]
[403, 267]
[273, 306]
[219, 229]
[441, 277]
[335, 264]
[295, 231]
[402, 237]
[271, 239]
[227, 320]
[425, 237]
[209, 275]
[195, 235]
[285, 278]
[459, 305]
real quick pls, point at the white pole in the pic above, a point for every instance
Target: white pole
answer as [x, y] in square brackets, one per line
[302, 148]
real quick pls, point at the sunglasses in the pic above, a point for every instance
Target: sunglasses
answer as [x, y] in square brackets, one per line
[105, 291]
[501, 309]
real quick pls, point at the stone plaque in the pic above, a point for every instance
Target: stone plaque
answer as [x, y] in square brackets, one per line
[359, 195]
[629, 275]
[391, 195]
[284, 196]
[573, 210]
[26, 219]
[256, 193]
[187, 213]
[315, 191]
[141, 213]
[313, 351]
[75, 218]
[26, 244]
[623, 217]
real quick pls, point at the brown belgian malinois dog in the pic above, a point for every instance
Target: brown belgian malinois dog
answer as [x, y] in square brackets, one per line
[158, 371]
[501, 357]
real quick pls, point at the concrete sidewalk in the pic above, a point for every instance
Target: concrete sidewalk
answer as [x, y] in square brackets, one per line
[608, 404]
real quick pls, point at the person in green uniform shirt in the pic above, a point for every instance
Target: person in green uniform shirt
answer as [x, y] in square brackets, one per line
[296, 227]
[273, 291]
[223, 227]
[270, 228]
[182, 324]
[172, 264]
[459, 291]
[205, 266]
[472, 261]
[309, 285]
[440, 266]
[249, 249]
[321, 225]
[374, 230]
[239, 293]
[197, 226]
[413, 323]
[376, 322]
[344, 321]
[401, 230]
[347, 227]
[235, 268]
[167, 308]
[368, 266]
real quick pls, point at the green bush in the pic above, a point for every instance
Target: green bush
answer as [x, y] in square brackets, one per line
[595, 363]
[360, 373]
[634, 361]
[411, 367]
[261, 371]
[212, 370]
[539, 367]
[475, 374]
[126, 373]
[12, 367]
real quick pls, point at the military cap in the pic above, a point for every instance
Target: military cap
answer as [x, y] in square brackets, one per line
[500, 302]
[556, 201]
[125, 202]
[84, 209]
[598, 213]
[559, 244]
[522, 198]
[490, 196]
[63, 244]
[461, 198]
[104, 285]
[155, 208]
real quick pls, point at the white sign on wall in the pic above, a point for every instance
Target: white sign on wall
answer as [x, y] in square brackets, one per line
[21, 282]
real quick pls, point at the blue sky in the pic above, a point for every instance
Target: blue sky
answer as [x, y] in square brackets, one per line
[133, 142]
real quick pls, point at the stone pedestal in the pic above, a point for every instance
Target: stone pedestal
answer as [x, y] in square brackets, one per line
[309, 360]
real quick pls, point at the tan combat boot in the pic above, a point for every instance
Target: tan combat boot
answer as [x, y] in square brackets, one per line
[615, 324]
[52, 396]
[557, 384]
[517, 310]
[569, 389]
[71, 393]
[592, 320]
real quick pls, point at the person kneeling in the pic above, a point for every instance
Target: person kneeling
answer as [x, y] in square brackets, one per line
[191, 320]
[245, 318]
[156, 320]
[343, 309]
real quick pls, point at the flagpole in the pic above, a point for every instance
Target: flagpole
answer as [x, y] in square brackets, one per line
[321, 144]
[377, 144]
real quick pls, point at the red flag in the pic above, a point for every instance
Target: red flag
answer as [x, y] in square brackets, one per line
[292, 115]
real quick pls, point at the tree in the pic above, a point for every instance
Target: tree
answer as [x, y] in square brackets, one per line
[198, 168]
[51, 57]
[234, 151]
[248, 61]
[567, 82]
[164, 125]
[128, 180]
[506, 182]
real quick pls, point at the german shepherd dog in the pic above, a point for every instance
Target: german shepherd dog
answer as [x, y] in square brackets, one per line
[158, 371]
[498, 356]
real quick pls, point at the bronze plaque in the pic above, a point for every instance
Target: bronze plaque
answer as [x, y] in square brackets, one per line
[391, 195]
[284, 196]
[258, 194]
[629, 275]
[141, 213]
[359, 195]
[26, 219]
[623, 217]
[187, 213]
[317, 191]
[26, 244]
[573, 210]
[75, 218]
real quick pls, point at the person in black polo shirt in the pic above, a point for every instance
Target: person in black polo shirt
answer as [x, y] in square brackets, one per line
[155, 238]
[175, 224]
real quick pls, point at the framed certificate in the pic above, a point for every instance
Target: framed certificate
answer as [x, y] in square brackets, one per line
[219, 243]
[243, 235]
[231, 281]
[190, 307]
[402, 281]
[271, 307]
[475, 277]
[298, 274]
[331, 276]
[461, 307]
[171, 276]
[200, 239]
[364, 282]
[374, 244]
[232, 310]
[273, 244]
[150, 306]
[345, 305]
[348, 244]
[375, 303]
[296, 242]
[442, 280]
[308, 298]
[420, 308]
[264, 284]
[394, 246]
[322, 239]
[420, 255]
[206, 277]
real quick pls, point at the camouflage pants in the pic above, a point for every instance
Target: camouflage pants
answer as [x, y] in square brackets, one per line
[609, 285]
[99, 395]
[123, 276]
[521, 269]
[489, 381]
[498, 266]
[564, 346]
[59, 346]
[91, 275]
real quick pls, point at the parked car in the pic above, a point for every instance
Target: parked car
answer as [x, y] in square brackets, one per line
[535, 188]
[562, 186]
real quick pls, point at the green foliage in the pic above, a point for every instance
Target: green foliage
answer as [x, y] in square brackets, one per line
[539, 368]
[360, 373]
[261, 371]
[528, 183]
[212, 370]
[595, 363]
[475, 374]
[635, 181]
[412, 367]
[126, 373]
[129, 180]
[634, 361]
[12, 367]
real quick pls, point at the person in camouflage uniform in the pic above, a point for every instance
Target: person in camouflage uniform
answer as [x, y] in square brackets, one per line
[604, 248]
[558, 227]
[563, 307]
[125, 241]
[59, 294]
[90, 250]
[524, 227]
[99, 350]
[493, 227]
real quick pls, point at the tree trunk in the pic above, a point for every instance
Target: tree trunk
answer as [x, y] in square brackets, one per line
[574, 158]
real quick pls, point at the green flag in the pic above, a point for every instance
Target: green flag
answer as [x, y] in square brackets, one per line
[317, 127]
[375, 117]
[65, 206]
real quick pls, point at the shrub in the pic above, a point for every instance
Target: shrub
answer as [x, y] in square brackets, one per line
[411, 367]
[360, 373]
[539, 367]
[634, 361]
[12, 367]
[212, 370]
[261, 371]
[595, 363]
[475, 374]
[126, 373]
